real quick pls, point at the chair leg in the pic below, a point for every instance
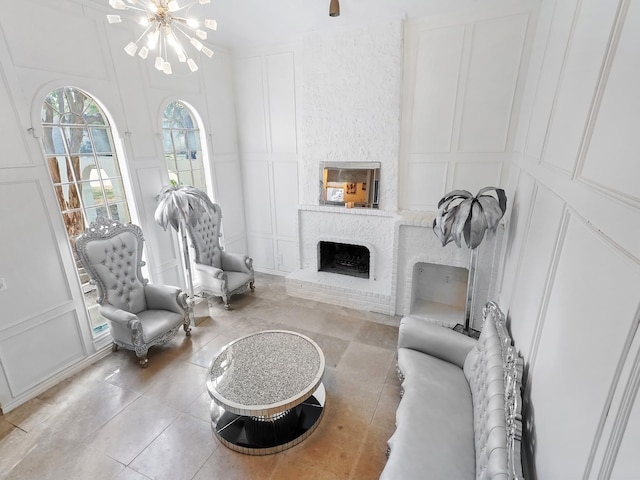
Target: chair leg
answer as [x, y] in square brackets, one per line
[227, 306]
[252, 286]
[144, 362]
[114, 347]
[187, 329]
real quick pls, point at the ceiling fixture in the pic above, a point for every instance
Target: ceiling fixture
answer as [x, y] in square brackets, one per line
[166, 24]
[334, 8]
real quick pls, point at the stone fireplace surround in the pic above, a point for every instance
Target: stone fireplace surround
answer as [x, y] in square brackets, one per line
[397, 243]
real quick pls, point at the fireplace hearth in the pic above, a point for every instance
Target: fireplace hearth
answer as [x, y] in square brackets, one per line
[344, 259]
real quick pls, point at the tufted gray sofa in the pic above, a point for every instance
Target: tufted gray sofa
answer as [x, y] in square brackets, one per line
[459, 416]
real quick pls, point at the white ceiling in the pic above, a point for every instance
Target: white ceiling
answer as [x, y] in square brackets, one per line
[264, 22]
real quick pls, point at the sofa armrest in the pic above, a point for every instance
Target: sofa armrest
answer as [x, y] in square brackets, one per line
[435, 340]
[118, 316]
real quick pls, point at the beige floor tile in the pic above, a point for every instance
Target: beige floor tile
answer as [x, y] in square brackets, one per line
[179, 451]
[367, 362]
[378, 335]
[130, 474]
[226, 464]
[126, 435]
[181, 388]
[373, 455]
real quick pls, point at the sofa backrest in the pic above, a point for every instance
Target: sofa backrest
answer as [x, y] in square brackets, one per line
[494, 371]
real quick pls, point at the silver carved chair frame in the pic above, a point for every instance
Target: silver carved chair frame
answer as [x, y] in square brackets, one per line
[140, 315]
[219, 273]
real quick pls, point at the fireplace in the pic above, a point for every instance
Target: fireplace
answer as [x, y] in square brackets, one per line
[344, 259]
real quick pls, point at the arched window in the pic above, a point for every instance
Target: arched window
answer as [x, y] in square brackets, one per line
[84, 169]
[182, 146]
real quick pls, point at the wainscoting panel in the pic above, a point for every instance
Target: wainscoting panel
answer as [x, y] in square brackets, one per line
[548, 79]
[436, 83]
[257, 193]
[261, 249]
[228, 180]
[285, 193]
[13, 140]
[425, 185]
[282, 102]
[473, 176]
[577, 89]
[288, 255]
[496, 43]
[28, 234]
[585, 341]
[45, 54]
[537, 252]
[250, 103]
[615, 136]
[41, 350]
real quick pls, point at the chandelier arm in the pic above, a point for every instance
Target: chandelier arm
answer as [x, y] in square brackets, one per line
[146, 31]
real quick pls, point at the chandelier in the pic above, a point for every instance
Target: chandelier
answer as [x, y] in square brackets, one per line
[167, 25]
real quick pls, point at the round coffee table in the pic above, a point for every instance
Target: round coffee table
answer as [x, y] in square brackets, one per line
[266, 390]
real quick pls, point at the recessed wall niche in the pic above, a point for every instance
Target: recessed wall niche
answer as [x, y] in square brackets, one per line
[439, 292]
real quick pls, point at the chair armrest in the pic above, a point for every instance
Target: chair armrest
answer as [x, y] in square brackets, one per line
[119, 316]
[210, 271]
[165, 297]
[434, 340]
[236, 262]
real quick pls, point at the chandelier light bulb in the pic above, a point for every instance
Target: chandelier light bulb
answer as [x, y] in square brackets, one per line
[196, 43]
[152, 39]
[131, 48]
[144, 51]
[192, 65]
[114, 18]
[201, 34]
[167, 68]
[144, 21]
[181, 56]
[159, 63]
[207, 51]
[153, 8]
[211, 24]
[204, 2]
[118, 4]
[193, 23]
[173, 6]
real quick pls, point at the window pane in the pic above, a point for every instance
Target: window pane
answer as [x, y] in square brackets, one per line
[52, 140]
[91, 193]
[78, 140]
[93, 115]
[120, 212]
[166, 141]
[171, 162]
[58, 169]
[184, 178]
[84, 167]
[114, 190]
[74, 223]
[101, 140]
[93, 213]
[70, 199]
[183, 161]
[198, 180]
[194, 140]
[179, 141]
[108, 166]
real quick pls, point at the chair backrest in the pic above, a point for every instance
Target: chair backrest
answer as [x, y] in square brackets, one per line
[204, 233]
[111, 253]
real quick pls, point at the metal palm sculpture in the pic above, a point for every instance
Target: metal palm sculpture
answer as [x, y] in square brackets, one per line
[177, 206]
[463, 216]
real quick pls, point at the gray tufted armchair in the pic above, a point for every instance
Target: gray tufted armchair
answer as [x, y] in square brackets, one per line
[220, 273]
[139, 314]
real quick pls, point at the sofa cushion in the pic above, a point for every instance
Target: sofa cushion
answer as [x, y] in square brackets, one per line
[434, 422]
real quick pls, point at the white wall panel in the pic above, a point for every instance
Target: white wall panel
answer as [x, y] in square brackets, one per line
[549, 76]
[494, 65]
[250, 105]
[262, 251]
[282, 102]
[82, 52]
[257, 189]
[615, 134]
[53, 344]
[14, 152]
[626, 464]
[436, 83]
[285, 193]
[288, 255]
[28, 235]
[578, 84]
[579, 373]
[536, 255]
[473, 176]
[425, 184]
[228, 180]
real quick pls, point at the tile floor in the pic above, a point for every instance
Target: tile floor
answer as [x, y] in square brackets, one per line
[115, 420]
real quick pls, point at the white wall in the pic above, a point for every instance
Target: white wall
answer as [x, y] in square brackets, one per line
[44, 330]
[571, 275]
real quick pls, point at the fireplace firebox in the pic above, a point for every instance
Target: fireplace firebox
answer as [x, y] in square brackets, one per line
[344, 259]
